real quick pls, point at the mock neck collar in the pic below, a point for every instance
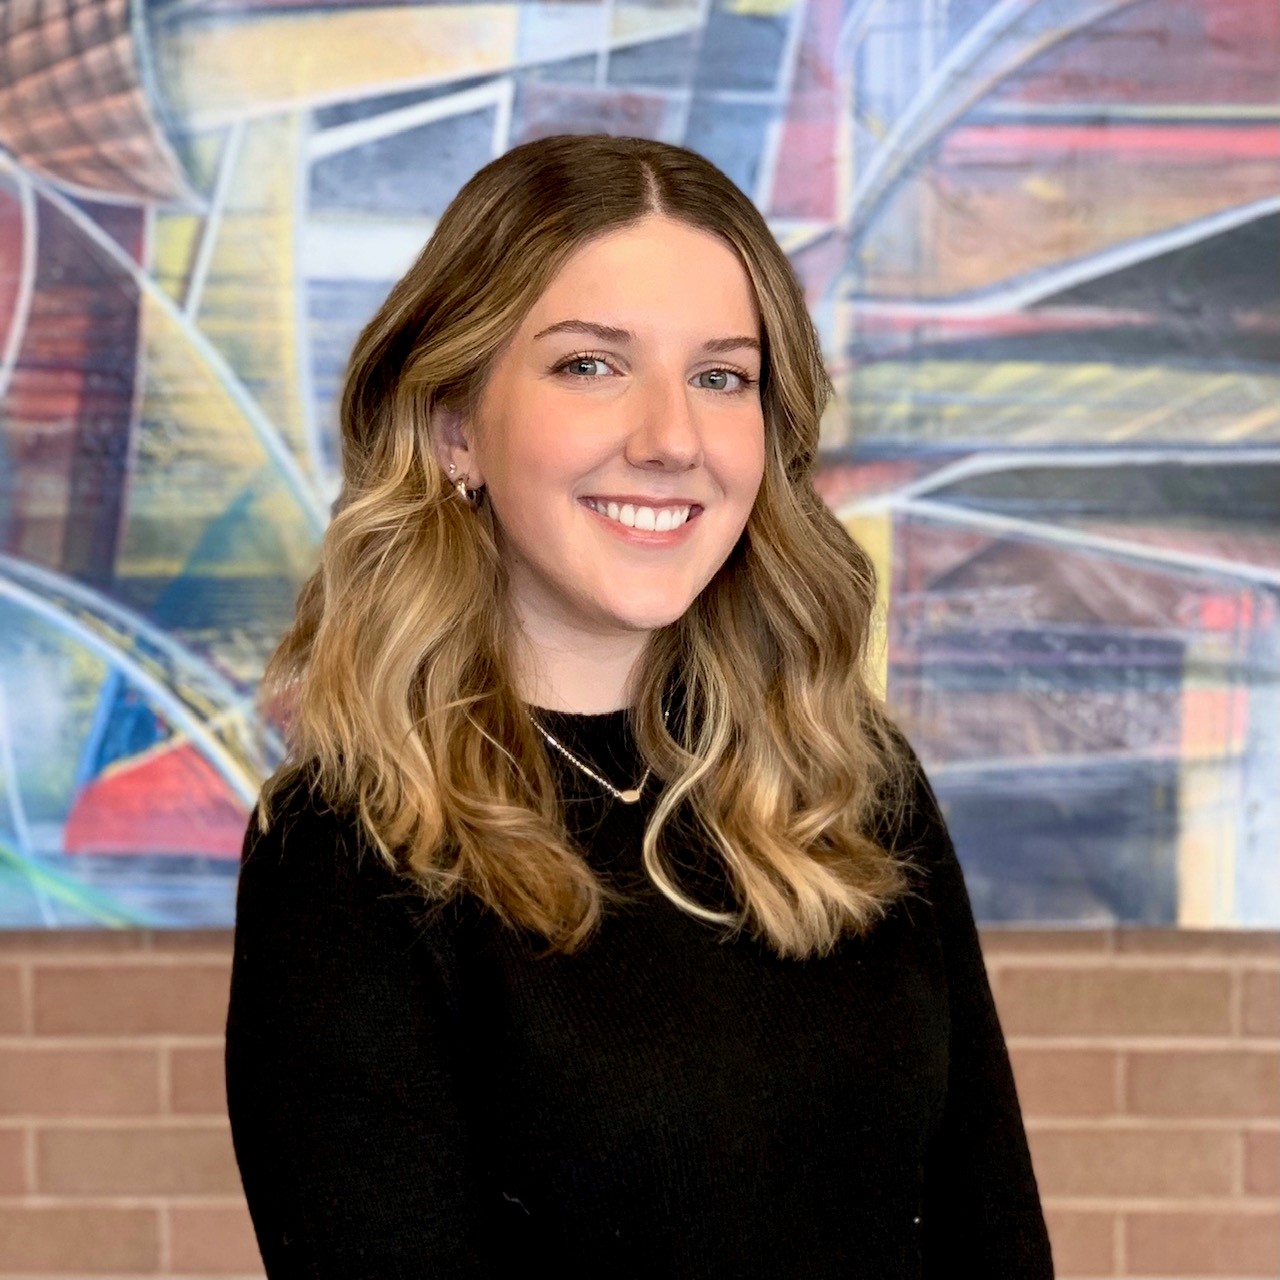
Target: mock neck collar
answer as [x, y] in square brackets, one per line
[591, 730]
[608, 732]
[546, 713]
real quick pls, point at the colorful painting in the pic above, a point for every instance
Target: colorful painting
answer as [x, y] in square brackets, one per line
[1040, 240]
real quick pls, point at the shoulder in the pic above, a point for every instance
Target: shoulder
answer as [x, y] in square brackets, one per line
[317, 904]
[308, 843]
[910, 818]
[914, 829]
[316, 860]
[292, 805]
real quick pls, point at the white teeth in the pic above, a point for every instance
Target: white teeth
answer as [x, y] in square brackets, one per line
[642, 517]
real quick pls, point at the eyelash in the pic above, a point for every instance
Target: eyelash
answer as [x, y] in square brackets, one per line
[745, 378]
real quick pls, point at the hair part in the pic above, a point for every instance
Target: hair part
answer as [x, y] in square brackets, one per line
[396, 673]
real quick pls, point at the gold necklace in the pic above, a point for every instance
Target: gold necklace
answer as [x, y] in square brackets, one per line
[629, 796]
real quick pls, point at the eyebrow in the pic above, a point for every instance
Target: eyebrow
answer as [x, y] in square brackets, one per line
[610, 333]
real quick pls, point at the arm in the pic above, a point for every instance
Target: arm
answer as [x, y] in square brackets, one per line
[982, 1206]
[341, 1079]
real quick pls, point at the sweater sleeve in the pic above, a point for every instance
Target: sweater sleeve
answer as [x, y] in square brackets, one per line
[341, 1064]
[982, 1211]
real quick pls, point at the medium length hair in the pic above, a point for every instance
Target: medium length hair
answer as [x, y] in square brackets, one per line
[395, 675]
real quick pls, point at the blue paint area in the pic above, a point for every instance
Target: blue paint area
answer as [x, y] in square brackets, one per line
[667, 64]
[336, 311]
[123, 726]
[741, 51]
[1093, 843]
[418, 171]
[734, 143]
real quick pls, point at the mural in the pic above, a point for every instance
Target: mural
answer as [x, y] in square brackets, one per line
[1039, 238]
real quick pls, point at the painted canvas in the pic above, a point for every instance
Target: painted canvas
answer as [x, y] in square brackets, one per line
[1040, 241]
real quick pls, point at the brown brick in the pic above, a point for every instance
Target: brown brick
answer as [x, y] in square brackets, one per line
[131, 998]
[197, 1081]
[1083, 1243]
[89, 943]
[1065, 1082]
[13, 1177]
[1262, 1164]
[1107, 1001]
[154, 1161]
[215, 943]
[1261, 1007]
[91, 1240]
[64, 1082]
[1188, 1243]
[1146, 940]
[213, 1240]
[1204, 1082]
[10, 999]
[1133, 1162]
[1000, 941]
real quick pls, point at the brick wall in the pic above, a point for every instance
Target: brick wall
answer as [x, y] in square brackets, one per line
[1148, 1063]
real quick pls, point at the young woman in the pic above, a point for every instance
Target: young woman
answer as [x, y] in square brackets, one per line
[600, 919]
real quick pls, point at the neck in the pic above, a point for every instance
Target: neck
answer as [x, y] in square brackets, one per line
[583, 689]
[572, 671]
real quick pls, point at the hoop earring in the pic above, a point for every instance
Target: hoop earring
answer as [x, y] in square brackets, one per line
[463, 492]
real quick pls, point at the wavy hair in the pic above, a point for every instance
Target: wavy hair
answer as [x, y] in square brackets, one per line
[394, 679]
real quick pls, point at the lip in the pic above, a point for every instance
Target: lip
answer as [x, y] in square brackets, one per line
[644, 537]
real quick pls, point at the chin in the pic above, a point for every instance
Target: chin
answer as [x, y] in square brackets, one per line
[645, 620]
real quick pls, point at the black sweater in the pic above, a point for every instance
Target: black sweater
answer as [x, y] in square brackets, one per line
[414, 1098]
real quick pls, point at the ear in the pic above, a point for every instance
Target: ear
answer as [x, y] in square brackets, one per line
[449, 438]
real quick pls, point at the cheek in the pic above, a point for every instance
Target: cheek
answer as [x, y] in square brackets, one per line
[534, 463]
[742, 462]
[557, 443]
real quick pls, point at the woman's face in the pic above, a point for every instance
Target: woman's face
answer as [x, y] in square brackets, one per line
[635, 376]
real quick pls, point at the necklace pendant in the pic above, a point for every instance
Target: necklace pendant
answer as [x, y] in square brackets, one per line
[630, 796]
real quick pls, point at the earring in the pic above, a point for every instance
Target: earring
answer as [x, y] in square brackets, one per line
[461, 486]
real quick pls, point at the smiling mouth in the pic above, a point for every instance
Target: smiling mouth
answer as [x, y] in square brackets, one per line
[601, 509]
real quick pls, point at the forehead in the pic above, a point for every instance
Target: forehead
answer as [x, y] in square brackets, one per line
[653, 273]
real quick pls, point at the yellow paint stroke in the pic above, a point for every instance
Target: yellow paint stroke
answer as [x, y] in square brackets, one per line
[1118, 382]
[1250, 425]
[759, 8]
[175, 241]
[1213, 740]
[1044, 188]
[874, 534]
[199, 469]
[1048, 403]
[1205, 844]
[1200, 389]
[630, 23]
[265, 63]
[247, 308]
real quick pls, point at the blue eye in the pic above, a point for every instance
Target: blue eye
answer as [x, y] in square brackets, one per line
[744, 382]
[581, 359]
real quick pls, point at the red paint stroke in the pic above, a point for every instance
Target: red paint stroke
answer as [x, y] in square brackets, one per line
[1191, 143]
[804, 180]
[11, 247]
[170, 801]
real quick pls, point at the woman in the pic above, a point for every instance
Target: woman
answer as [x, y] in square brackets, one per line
[600, 918]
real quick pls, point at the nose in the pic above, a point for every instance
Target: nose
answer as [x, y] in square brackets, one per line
[666, 430]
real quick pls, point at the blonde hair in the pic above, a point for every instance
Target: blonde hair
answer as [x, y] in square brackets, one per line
[396, 674]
